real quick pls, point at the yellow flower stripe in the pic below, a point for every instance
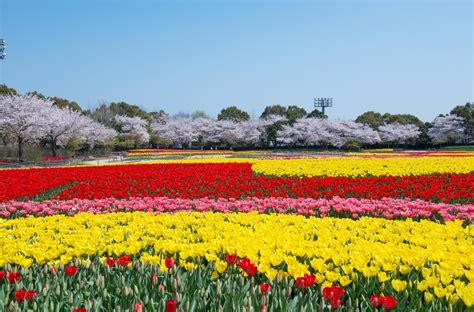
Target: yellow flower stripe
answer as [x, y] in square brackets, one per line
[337, 250]
[207, 160]
[356, 167]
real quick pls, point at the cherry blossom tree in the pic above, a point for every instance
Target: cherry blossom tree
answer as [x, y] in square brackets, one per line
[446, 129]
[316, 131]
[244, 133]
[206, 131]
[97, 133]
[179, 131]
[63, 125]
[304, 132]
[397, 133]
[23, 119]
[345, 131]
[134, 127]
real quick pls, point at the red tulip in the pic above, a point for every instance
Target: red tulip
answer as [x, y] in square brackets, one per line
[375, 301]
[110, 262]
[2, 275]
[309, 280]
[245, 262]
[334, 293]
[335, 302]
[306, 280]
[170, 305]
[80, 309]
[54, 270]
[263, 308]
[264, 287]
[299, 282]
[21, 295]
[153, 278]
[251, 269]
[30, 295]
[138, 307]
[248, 267]
[389, 303]
[169, 262]
[14, 277]
[231, 259]
[70, 271]
[123, 260]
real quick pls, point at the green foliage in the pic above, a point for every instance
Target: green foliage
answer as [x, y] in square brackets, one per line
[294, 112]
[403, 119]
[352, 146]
[371, 118]
[232, 113]
[5, 90]
[460, 148]
[157, 141]
[98, 287]
[315, 113]
[274, 110]
[49, 194]
[63, 103]
[272, 130]
[122, 108]
[74, 145]
[37, 94]
[125, 142]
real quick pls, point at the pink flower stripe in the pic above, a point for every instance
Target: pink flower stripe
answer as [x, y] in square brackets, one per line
[351, 207]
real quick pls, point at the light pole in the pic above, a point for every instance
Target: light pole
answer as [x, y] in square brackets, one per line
[323, 103]
[2, 49]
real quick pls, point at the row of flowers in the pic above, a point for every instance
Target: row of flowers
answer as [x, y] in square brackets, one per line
[417, 257]
[361, 167]
[130, 285]
[229, 180]
[388, 208]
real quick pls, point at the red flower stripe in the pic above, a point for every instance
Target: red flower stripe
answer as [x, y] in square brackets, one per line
[224, 181]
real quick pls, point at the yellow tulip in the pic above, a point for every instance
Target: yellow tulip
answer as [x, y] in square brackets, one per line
[440, 292]
[383, 277]
[345, 280]
[404, 269]
[221, 266]
[399, 285]
[428, 297]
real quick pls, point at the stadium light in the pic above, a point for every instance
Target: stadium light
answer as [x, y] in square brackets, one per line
[323, 103]
[2, 49]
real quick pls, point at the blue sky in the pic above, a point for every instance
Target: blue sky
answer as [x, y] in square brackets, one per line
[389, 56]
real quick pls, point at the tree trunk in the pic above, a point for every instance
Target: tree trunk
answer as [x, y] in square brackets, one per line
[20, 149]
[53, 147]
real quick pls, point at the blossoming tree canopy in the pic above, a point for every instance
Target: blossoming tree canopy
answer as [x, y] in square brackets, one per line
[29, 118]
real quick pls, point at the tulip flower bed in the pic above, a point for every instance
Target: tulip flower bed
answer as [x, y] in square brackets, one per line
[336, 207]
[204, 261]
[230, 180]
[319, 234]
[357, 167]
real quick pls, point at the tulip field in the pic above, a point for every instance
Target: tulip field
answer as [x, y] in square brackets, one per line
[230, 231]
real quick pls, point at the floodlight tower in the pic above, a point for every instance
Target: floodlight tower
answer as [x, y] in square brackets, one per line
[323, 103]
[2, 49]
